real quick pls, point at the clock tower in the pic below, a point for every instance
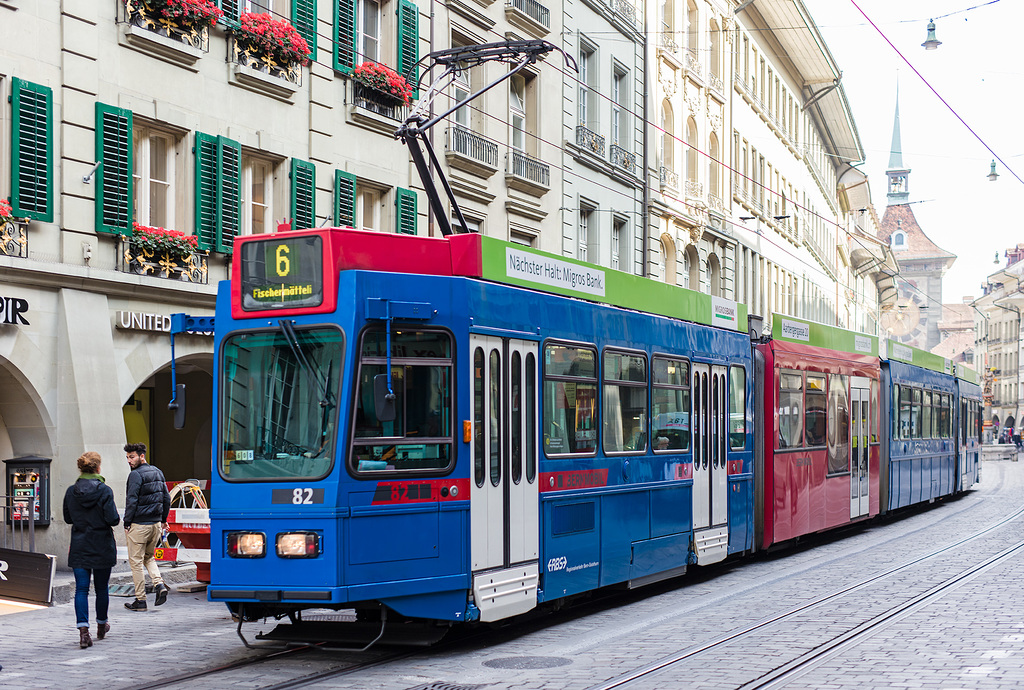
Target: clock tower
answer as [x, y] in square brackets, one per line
[913, 317]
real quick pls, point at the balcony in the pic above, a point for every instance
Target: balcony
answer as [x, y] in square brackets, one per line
[529, 15]
[693, 66]
[625, 9]
[190, 268]
[716, 82]
[141, 29]
[716, 203]
[621, 158]
[527, 174]
[590, 141]
[668, 178]
[827, 262]
[14, 238]
[374, 110]
[466, 150]
[667, 42]
[259, 72]
[692, 189]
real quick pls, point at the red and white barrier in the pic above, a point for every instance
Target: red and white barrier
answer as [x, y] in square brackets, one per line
[192, 527]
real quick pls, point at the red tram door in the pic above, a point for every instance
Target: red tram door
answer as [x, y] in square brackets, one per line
[860, 448]
[710, 468]
[504, 532]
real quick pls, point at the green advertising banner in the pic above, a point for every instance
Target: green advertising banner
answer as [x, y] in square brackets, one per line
[795, 330]
[917, 357]
[967, 374]
[513, 264]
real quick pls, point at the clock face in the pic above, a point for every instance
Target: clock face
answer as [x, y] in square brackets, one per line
[902, 319]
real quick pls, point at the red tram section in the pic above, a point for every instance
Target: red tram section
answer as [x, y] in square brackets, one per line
[821, 445]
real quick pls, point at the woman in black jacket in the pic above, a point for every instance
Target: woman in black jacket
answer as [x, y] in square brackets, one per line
[89, 509]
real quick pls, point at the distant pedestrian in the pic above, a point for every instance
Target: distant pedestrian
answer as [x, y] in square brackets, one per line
[147, 505]
[89, 509]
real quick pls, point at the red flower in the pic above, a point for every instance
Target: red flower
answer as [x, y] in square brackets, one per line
[276, 37]
[196, 14]
[161, 240]
[383, 79]
[6, 213]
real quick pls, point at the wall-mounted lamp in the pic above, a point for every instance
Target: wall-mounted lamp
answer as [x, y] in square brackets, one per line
[88, 178]
[996, 260]
[992, 174]
[780, 217]
[930, 42]
[747, 217]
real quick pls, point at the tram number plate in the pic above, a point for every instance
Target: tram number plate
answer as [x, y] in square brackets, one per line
[298, 496]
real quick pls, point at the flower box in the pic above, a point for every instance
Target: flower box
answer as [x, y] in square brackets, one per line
[163, 253]
[13, 237]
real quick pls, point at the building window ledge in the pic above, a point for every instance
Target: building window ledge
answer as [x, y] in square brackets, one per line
[159, 46]
[528, 15]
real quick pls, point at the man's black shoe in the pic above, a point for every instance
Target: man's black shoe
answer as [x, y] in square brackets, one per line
[137, 605]
[161, 594]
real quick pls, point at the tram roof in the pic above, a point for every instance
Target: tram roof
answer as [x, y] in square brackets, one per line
[478, 256]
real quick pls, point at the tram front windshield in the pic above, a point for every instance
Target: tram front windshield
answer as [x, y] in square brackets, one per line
[279, 403]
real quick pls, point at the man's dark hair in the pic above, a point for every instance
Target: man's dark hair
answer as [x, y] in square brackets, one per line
[139, 448]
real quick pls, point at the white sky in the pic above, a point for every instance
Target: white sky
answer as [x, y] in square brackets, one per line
[977, 70]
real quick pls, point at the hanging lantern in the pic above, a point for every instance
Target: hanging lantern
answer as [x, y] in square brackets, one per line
[992, 174]
[931, 43]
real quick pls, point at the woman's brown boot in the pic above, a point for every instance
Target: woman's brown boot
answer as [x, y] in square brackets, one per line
[84, 640]
[101, 630]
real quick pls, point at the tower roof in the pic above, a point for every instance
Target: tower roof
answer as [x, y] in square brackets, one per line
[896, 150]
[900, 217]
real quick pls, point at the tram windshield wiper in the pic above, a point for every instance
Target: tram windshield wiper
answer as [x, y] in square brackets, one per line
[323, 387]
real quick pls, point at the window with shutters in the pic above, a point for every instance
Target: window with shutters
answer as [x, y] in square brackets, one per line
[367, 28]
[406, 216]
[376, 31]
[154, 176]
[301, 14]
[344, 199]
[257, 195]
[31, 151]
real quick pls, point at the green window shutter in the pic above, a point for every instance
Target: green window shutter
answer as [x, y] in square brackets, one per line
[232, 10]
[114, 198]
[304, 18]
[303, 194]
[344, 35]
[408, 42]
[229, 209]
[344, 199]
[405, 211]
[31, 151]
[207, 185]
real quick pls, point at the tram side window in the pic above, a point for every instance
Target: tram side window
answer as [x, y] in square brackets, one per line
[943, 416]
[838, 436]
[815, 416]
[927, 428]
[906, 419]
[791, 431]
[737, 408]
[915, 413]
[570, 399]
[420, 437]
[670, 397]
[624, 416]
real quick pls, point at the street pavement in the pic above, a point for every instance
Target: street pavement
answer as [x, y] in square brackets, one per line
[972, 637]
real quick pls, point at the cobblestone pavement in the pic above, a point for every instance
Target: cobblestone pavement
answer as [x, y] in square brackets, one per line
[971, 637]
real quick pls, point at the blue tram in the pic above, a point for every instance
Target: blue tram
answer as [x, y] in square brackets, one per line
[459, 429]
[402, 423]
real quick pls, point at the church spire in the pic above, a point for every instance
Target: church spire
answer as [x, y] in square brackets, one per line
[898, 174]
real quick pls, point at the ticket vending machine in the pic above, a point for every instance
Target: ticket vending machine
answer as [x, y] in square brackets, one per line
[27, 478]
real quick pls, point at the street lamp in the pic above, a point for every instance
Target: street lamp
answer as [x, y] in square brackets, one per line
[931, 43]
[992, 174]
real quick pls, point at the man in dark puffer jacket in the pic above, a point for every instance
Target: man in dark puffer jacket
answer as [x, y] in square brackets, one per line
[147, 505]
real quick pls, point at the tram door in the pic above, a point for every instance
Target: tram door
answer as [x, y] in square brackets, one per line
[860, 450]
[710, 469]
[503, 487]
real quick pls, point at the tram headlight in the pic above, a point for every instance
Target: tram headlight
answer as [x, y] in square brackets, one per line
[247, 544]
[298, 545]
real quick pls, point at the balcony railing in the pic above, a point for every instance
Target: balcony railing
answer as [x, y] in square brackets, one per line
[716, 82]
[623, 159]
[827, 261]
[668, 177]
[141, 14]
[472, 145]
[693, 189]
[529, 169]
[692, 64]
[715, 202]
[191, 267]
[668, 42]
[625, 9]
[590, 140]
[13, 239]
[377, 102]
[532, 9]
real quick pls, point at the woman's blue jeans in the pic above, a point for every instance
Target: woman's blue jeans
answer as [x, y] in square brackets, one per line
[100, 578]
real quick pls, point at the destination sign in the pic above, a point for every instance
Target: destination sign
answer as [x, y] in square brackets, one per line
[282, 273]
